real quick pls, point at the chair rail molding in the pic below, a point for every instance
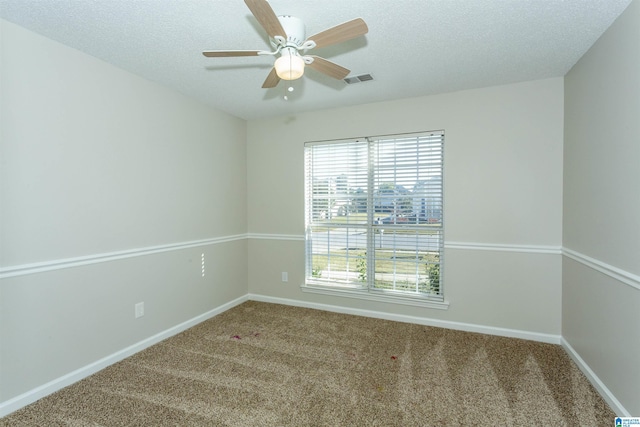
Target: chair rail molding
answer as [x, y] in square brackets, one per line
[58, 264]
[616, 273]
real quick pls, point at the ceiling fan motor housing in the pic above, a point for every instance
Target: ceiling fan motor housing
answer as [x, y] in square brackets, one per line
[294, 27]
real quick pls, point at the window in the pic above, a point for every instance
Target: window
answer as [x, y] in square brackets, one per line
[374, 215]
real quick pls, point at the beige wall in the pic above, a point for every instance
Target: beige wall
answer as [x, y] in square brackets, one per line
[601, 227]
[111, 189]
[503, 200]
[89, 146]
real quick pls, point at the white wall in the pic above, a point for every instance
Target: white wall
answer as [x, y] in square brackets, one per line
[601, 227]
[112, 188]
[503, 200]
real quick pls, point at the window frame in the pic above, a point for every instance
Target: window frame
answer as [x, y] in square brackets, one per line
[367, 289]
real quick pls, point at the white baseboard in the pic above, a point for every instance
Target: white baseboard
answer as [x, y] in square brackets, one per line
[37, 393]
[468, 327]
[595, 381]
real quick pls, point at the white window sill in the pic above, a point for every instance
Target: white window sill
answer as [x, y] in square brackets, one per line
[363, 294]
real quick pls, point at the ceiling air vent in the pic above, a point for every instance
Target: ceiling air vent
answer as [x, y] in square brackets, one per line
[358, 79]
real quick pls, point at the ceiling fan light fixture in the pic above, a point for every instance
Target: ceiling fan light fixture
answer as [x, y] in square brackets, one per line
[289, 67]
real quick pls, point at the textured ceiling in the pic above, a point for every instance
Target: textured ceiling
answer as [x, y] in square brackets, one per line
[414, 47]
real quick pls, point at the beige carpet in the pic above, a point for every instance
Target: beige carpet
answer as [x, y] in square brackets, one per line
[264, 364]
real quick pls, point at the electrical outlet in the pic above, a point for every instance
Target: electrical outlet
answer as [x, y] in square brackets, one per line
[139, 309]
[285, 276]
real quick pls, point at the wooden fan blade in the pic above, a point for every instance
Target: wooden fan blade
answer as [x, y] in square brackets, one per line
[340, 33]
[329, 68]
[228, 53]
[272, 79]
[266, 17]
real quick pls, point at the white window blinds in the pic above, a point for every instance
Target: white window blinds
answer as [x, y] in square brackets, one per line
[374, 210]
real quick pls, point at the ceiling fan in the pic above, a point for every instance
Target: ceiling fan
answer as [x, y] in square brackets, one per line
[287, 35]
